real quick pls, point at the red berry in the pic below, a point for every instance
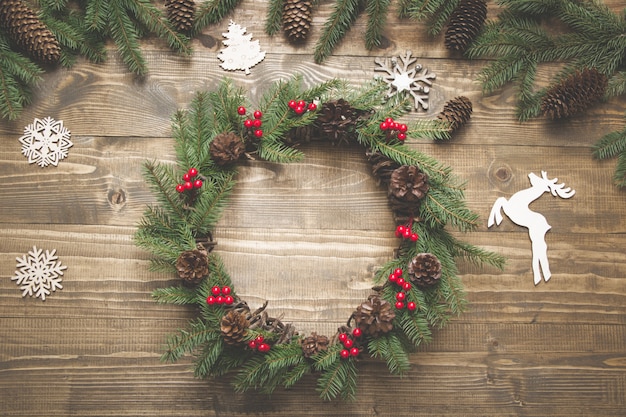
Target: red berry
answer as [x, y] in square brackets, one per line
[414, 237]
[411, 306]
[403, 128]
[398, 271]
[396, 126]
[216, 290]
[210, 300]
[393, 277]
[401, 136]
[252, 345]
[219, 299]
[354, 351]
[226, 290]
[292, 104]
[400, 296]
[348, 343]
[407, 286]
[357, 332]
[180, 188]
[197, 184]
[400, 281]
[257, 123]
[259, 339]
[343, 337]
[228, 300]
[241, 110]
[399, 231]
[345, 353]
[264, 347]
[193, 172]
[399, 305]
[312, 107]
[258, 133]
[247, 123]
[407, 233]
[384, 126]
[257, 114]
[299, 109]
[188, 185]
[186, 177]
[301, 103]
[389, 120]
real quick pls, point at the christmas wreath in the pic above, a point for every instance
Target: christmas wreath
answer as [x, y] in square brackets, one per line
[417, 290]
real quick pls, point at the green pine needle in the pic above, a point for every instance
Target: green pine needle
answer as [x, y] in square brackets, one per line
[344, 14]
[274, 20]
[211, 12]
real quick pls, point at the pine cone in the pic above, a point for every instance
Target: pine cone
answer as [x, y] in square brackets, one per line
[574, 94]
[28, 32]
[374, 316]
[424, 270]
[226, 148]
[465, 24]
[193, 265]
[234, 327]
[408, 185]
[181, 14]
[456, 112]
[382, 166]
[300, 134]
[313, 344]
[297, 19]
[337, 120]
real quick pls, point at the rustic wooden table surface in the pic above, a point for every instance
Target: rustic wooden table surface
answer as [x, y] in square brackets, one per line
[290, 236]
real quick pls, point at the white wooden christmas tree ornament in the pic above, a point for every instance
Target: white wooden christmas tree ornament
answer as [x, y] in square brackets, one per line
[516, 208]
[241, 52]
[39, 273]
[45, 142]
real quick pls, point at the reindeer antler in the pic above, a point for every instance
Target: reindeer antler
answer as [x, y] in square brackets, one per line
[557, 189]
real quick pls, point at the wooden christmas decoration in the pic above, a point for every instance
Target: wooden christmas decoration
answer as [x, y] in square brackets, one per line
[241, 52]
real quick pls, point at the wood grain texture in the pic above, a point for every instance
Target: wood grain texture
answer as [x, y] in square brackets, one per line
[308, 238]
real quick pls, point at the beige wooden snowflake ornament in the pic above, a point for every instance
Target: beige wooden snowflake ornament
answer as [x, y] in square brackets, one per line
[45, 142]
[39, 273]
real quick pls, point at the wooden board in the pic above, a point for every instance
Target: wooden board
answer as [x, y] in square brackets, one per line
[308, 238]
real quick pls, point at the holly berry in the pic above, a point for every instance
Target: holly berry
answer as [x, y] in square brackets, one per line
[186, 177]
[219, 299]
[389, 120]
[399, 305]
[192, 172]
[411, 306]
[226, 290]
[258, 133]
[312, 107]
[345, 353]
[247, 123]
[299, 109]
[259, 339]
[257, 114]
[401, 136]
[210, 300]
[400, 296]
[302, 103]
[399, 231]
[398, 271]
[407, 233]
[197, 184]
[241, 110]
[343, 337]
[403, 128]
[357, 332]
[292, 104]
[264, 347]
[188, 185]
[348, 343]
[228, 300]
[354, 351]
[400, 281]
[393, 277]
[180, 188]
[216, 290]
[414, 237]
[384, 126]
[406, 286]
[257, 123]
[252, 345]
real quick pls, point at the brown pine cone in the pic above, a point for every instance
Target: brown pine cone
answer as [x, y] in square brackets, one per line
[408, 185]
[193, 265]
[28, 32]
[424, 270]
[574, 94]
[313, 344]
[297, 19]
[382, 167]
[337, 120]
[181, 14]
[456, 112]
[226, 148]
[234, 327]
[374, 316]
[465, 24]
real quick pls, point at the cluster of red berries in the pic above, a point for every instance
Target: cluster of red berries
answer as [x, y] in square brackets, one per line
[405, 232]
[396, 278]
[258, 343]
[220, 295]
[189, 181]
[394, 128]
[300, 106]
[252, 124]
[348, 343]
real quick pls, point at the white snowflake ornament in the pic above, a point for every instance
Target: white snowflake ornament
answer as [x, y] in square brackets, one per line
[45, 142]
[39, 273]
[241, 52]
[403, 74]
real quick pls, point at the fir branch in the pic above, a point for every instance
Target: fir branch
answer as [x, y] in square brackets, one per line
[274, 19]
[211, 202]
[435, 12]
[612, 145]
[163, 236]
[189, 339]
[619, 177]
[162, 181]
[210, 12]
[416, 328]
[339, 378]
[390, 348]
[617, 85]
[344, 14]
[126, 38]
[17, 75]
[377, 18]
[206, 363]
[174, 295]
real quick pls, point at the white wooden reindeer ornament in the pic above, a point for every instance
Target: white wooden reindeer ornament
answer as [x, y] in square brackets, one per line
[516, 208]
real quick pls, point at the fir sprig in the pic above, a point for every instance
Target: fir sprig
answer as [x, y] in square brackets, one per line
[212, 11]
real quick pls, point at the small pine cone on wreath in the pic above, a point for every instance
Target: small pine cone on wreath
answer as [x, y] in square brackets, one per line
[181, 14]
[193, 265]
[313, 344]
[465, 24]
[337, 120]
[226, 148]
[457, 112]
[234, 327]
[300, 134]
[424, 270]
[297, 19]
[574, 94]
[374, 316]
[28, 32]
[382, 166]
[408, 185]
